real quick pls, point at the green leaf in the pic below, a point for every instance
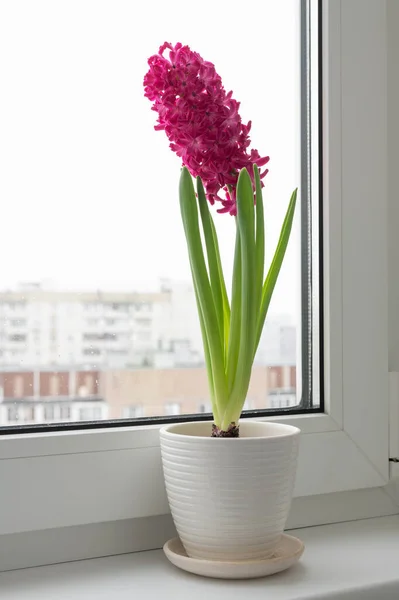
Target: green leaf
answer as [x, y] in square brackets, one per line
[246, 226]
[208, 361]
[189, 213]
[260, 239]
[235, 316]
[225, 298]
[274, 270]
[214, 273]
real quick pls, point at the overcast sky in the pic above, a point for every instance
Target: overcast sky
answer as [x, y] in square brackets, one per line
[88, 189]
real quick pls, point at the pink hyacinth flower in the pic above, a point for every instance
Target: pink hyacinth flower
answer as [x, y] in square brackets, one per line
[201, 121]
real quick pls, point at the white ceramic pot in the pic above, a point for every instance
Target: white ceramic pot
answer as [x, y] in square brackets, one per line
[229, 497]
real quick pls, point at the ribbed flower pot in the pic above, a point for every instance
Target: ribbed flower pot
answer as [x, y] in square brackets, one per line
[229, 497]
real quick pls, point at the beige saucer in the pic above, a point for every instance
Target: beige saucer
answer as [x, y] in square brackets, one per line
[287, 553]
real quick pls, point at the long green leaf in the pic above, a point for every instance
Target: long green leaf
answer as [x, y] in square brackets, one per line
[208, 361]
[235, 317]
[225, 298]
[246, 226]
[214, 274]
[189, 212]
[260, 239]
[274, 270]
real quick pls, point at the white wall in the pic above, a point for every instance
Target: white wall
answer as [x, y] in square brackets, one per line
[393, 181]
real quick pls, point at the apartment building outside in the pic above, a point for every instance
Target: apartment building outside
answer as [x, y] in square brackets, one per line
[184, 391]
[40, 327]
[69, 356]
[47, 396]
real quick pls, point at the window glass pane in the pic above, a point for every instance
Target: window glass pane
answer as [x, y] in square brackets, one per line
[96, 302]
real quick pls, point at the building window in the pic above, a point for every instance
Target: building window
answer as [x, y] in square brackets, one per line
[92, 306]
[282, 398]
[65, 413]
[90, 413]
[18, 304]
[172, 409]
[29, 414]
[143, 321]
[12, 414]
[91, 337]
[108, 336]
[97, 413]
[117, 352]
[205, 407]
[85, 414]
[119, 307]
[92, 351]
[18, 322]
[49, 412]
[143, 306]
[133, 411]
[17, 337]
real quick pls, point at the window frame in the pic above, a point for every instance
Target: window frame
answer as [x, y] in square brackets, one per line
[91, 476]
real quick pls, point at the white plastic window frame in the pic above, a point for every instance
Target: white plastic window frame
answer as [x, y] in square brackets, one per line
[73, 478]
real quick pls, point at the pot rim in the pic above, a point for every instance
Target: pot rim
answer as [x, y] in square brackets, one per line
[287, 431]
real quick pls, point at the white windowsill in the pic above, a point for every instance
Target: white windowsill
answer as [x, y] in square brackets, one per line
[346, 561]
